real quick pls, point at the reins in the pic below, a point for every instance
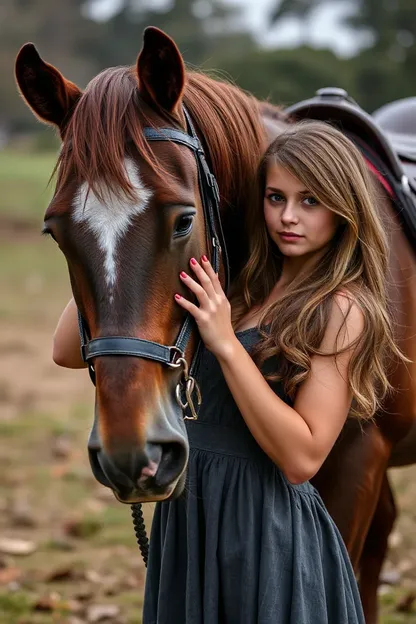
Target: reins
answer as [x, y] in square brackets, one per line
[187, 390]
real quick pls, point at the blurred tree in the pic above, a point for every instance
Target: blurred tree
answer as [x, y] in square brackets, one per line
[210, 34]
[295, 8]
[199, 27]
[58, 29]
[392, 23]
[288, 76]
[67, 36]
[385, 70]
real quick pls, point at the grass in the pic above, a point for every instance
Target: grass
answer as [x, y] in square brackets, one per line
[24, 184]
[33, 278]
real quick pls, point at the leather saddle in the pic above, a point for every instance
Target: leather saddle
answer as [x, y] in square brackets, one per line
[392, 153]
[398, 120]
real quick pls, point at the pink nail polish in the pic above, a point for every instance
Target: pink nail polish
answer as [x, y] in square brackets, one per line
[178, 296]
[183, 274]
[204, 258]
[193, 261]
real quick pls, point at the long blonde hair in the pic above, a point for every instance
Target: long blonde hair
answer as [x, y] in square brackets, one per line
[355, 262]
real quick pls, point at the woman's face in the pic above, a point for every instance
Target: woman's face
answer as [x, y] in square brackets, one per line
[295, 220]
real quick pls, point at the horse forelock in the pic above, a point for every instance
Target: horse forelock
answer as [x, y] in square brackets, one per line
[104, 121]
[111, 114]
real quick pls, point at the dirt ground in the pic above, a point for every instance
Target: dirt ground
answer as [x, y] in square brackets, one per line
[76, 560]
[67, 547]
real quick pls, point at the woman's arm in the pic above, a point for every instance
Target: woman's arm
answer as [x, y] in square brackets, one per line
[66, 340]
[299, 438]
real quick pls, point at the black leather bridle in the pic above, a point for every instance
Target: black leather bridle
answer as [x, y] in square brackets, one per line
[172, 356]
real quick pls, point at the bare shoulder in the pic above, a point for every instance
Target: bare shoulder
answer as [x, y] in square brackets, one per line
[345, 324]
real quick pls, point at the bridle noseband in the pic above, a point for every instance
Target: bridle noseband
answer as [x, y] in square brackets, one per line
[171, 356]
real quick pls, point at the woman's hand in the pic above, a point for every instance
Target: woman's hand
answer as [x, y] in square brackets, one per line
[213, 316]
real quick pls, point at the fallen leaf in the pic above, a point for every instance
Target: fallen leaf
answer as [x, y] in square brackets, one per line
[21, 514]
[54, 602]
[62, 573]
[93, 576]
[84, 594]
[83, 527]
[102, 613]
[48, 602]
[9, 575]
[17, 546]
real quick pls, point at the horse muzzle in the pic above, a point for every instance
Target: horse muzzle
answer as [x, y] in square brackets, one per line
[141, 474]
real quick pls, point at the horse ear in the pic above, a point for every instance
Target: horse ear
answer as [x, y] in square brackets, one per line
[160, 69]
[50, 96]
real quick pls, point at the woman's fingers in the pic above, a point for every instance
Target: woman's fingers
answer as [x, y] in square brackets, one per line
[203, 277]
[196, 288]
[208, 268]
[187, 305]
[208, 290]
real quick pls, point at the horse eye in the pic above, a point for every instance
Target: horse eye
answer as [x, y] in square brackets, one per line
[48, 232]
[183, 225]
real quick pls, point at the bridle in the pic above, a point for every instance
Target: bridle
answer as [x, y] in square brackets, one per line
[172, 356]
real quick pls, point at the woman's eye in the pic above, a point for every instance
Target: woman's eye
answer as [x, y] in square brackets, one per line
[310, 201]
[183, 225]
[275, 197]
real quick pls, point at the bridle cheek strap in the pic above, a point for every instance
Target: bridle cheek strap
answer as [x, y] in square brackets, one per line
[172, 356]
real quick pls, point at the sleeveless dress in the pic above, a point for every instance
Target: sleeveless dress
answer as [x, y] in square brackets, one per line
[242, 545]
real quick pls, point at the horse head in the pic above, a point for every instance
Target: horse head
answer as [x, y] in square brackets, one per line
[128, 216]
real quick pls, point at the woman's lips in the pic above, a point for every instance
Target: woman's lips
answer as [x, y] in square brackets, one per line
[287, 236]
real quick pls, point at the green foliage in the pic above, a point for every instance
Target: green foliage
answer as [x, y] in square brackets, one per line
[14, 605]
[210, 34]
[288, 76]
[295, 8]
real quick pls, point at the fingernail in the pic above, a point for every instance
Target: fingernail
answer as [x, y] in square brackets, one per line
[193, 261]
[178, 296]
[183, 274]
[204, 258]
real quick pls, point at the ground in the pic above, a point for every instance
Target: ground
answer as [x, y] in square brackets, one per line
[81, 551]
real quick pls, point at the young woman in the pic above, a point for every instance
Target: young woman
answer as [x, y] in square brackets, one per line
[302, 345]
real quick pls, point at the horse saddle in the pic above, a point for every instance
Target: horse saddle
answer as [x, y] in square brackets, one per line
[398, 120]
[389, 149]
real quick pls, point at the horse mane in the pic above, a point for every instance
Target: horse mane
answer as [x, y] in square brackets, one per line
[106, 118]
[230, 121]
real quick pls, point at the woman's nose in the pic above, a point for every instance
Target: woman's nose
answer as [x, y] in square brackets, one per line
[289, 214]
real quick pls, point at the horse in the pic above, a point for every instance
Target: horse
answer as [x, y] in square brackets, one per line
[128, 211]
[391, 437]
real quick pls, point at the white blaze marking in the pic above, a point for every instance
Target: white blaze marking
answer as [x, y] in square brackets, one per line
[109, 221]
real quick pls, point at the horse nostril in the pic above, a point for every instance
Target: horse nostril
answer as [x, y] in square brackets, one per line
[174, 456]
[148, 471]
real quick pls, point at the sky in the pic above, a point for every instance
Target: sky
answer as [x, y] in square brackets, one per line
[323, 30]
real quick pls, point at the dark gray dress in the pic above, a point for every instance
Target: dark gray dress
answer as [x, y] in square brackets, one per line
[243, 545]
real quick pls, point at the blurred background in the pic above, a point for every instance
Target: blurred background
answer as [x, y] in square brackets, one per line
[67, 550]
